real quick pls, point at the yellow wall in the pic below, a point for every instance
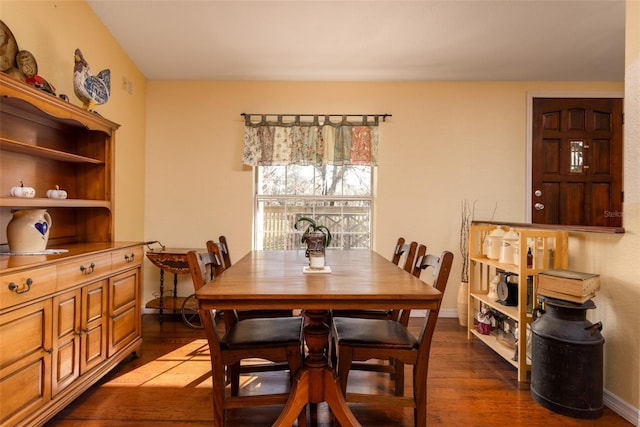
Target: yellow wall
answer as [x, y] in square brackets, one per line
[52, 31]
[446, 141]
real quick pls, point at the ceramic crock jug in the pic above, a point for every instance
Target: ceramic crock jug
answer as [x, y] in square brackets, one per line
[28, 230]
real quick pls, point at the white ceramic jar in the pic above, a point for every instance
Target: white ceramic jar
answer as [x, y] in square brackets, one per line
[494, 242]
[507, 245]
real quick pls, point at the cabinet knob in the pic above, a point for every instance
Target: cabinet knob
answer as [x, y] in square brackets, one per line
[13, 287]
[130, 258]
[89, 270]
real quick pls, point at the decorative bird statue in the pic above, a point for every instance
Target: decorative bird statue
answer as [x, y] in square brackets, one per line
[91, 90]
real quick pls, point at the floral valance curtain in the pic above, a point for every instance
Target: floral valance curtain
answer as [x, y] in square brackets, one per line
[311, 140]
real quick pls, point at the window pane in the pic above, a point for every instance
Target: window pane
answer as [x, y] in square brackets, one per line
[329, 180]
[271, 180]
[299, 180]
[357, 180]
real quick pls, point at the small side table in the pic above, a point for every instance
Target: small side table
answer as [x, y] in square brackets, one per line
[171, 260]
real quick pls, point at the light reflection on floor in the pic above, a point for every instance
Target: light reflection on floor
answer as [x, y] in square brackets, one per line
[189, 366]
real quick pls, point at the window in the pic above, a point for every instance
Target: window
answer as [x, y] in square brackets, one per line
[339, 197]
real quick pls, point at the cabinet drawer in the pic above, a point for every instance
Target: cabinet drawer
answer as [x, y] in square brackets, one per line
[27, 285]
[83, 270]
[126, 258]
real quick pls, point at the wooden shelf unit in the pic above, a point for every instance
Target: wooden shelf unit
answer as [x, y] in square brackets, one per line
[66, 319]
[549, 250]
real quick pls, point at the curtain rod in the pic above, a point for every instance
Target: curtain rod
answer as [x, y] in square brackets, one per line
[263, 117]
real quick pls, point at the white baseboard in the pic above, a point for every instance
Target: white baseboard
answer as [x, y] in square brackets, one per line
[621, 408]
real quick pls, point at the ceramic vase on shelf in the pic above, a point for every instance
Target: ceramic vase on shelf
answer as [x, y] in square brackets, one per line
[28, 231]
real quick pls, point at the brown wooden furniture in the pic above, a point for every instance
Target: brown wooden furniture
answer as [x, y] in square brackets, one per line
[173, 261]
[275, 279]
[65, 319]
[274, 339]
[224, 249]
[364, 339]
[550, 251]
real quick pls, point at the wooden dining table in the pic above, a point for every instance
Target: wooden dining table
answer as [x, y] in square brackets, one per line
[358, 279]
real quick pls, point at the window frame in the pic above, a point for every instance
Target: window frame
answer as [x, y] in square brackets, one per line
[291, 239]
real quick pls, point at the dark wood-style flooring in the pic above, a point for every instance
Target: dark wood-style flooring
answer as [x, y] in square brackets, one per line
[169, 385]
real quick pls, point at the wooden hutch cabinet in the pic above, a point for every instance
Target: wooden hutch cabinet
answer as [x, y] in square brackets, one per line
[67, 318]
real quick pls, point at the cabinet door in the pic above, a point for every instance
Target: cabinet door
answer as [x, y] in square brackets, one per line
[25, 361]
[94, 325]
[124, 309]
[66, 339]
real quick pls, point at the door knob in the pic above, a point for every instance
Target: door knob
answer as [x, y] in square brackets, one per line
[538, 206]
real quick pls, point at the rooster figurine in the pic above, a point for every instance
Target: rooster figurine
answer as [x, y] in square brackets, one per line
[91, 90]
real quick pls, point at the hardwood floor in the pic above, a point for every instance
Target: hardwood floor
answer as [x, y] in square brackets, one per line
[169, 385]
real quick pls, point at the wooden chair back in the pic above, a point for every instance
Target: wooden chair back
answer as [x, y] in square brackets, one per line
[441, 269]
[419, 262]
[224, 249]
[398, 251]
[411, 256]
[204, 266]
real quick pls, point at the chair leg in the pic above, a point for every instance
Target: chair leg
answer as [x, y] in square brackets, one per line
[233, 372]
[345, 360]
[420, 395]
[399, 377]
[217, 377]
[333, 354]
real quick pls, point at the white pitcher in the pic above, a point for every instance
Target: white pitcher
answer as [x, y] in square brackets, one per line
[28, 230]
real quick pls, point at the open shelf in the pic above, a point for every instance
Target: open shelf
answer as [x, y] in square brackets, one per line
[39, 202]
[168, 303]
[44, 152]
[491, 341]
[511, 311]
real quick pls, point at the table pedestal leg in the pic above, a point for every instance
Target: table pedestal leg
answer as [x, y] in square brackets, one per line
[316, 382]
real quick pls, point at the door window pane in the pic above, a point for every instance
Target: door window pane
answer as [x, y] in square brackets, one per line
[577, 156]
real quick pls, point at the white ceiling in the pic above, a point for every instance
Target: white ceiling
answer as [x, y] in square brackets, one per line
[361, 40]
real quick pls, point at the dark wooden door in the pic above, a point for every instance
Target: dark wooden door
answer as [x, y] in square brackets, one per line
[577, 161]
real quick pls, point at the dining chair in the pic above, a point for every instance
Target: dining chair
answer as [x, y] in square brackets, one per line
[274, 339]
[244, 314]
[365, 339]
[412, 249]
